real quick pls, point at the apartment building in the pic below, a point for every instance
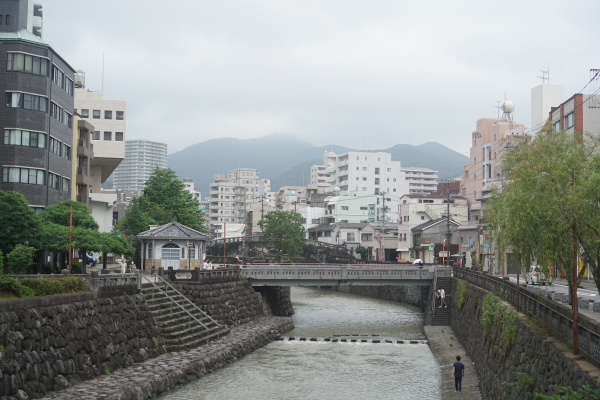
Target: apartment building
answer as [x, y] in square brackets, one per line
[420, 180]
[109, 120]
[580, 113]
[360, 173]
[142, 158]
[36, 153]
[416, 210]
[231, 196]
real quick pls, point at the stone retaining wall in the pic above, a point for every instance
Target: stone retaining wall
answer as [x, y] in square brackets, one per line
[536, 353]
[48, 347]
[409, 294]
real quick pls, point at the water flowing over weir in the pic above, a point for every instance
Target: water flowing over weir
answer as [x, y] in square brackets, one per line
[343, 347]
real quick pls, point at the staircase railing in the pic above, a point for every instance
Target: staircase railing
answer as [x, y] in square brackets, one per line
[434, 293]
[173, 301]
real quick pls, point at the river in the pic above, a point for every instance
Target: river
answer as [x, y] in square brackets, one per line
[326, 370]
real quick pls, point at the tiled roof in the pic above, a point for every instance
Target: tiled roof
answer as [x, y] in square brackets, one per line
[172, 230]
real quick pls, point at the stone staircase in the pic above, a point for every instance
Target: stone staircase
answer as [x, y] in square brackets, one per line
[441, 316]
[182, 324]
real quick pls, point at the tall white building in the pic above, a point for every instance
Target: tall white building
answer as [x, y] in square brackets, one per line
[230, 198]
[420, 180]
[142, 157]
[109, 120]
[360, 173]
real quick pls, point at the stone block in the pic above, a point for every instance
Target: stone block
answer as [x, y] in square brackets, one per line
[583, 303]
[566, 298]
[596, 306]
[557, 296]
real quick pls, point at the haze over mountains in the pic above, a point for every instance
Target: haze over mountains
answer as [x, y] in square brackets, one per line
[286, 160]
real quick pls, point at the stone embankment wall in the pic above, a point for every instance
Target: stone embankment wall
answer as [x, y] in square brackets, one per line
[53, 342]
[409, 294]
[535, 353]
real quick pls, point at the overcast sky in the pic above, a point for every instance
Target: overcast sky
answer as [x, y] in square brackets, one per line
[363, 74]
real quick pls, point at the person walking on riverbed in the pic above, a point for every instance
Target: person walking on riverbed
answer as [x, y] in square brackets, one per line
[458, 371]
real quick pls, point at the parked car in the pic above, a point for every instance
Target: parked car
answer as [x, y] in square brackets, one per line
[537, 275]
[90, 260]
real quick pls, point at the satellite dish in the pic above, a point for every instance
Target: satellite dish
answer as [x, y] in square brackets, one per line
[508, 106]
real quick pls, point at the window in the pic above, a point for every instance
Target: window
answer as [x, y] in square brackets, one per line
[26, 101]
[25, 138]
[350, 236]
[23, 175]
[85, 113]
[107, 114]
[557, 126]
[376, 171]
[60, 114]
[96, 135]
[66, 184]
[27, 63]
[569, 121]
[118, 136]
[96, 114]
[377, 181]
[344, 208]
[107, 135]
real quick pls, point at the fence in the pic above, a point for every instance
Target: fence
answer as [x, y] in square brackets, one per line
[557, 317]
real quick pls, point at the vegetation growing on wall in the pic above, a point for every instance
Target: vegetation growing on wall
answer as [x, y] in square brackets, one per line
[499, 323]
[461, 292]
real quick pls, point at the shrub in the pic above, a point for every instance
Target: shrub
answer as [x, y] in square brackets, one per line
[13, 287]
[20, 260]
[49, 287]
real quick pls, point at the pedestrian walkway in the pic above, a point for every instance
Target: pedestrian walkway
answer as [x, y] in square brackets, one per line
[445, 347]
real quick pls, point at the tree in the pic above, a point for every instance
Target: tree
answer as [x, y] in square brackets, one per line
[61, 214]
[165, 199]
[18, 222]
[548, 211]
[284, 231]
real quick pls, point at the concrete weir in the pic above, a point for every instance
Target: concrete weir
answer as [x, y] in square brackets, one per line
[163, 373]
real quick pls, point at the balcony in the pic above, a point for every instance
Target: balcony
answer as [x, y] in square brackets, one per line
[85, 148]
[83, 176]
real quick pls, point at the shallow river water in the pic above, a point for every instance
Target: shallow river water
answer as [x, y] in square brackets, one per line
[307, 370]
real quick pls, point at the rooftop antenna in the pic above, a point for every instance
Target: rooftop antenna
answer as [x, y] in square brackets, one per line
[594, 77]
[102, 72]
[545, 76]
[498, 106]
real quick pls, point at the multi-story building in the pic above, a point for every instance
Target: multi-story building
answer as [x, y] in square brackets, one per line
[189, 186]
[491, 138]
[415, 210]
[142, 158]
[543, 98]
[230, 198]
[294, 197]
[36, 152]
[420, 180]
[580, 114]
[360, 173]
[109, 120]
[81, 175]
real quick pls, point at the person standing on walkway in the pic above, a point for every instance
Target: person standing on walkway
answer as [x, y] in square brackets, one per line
[443, 298]
[458, 371]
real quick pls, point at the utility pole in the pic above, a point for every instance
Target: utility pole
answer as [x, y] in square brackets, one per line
[448, 217]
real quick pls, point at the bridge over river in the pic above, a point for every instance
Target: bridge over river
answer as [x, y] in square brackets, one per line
[342, 274]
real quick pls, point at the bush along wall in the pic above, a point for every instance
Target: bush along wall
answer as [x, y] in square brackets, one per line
[514, 356]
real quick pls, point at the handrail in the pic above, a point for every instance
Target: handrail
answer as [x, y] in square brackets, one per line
[164, 292]
[434, 293]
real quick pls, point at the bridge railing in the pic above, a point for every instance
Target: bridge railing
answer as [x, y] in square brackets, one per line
[557, 317]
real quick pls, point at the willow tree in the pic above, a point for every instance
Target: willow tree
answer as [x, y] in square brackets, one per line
[548, 210]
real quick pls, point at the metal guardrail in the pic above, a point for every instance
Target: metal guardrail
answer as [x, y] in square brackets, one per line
[173, 301]
[557, 317]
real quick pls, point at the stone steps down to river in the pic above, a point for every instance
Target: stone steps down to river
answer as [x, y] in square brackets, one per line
[181, 323]
[441, 316]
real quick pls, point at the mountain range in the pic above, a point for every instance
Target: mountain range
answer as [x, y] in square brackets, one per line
[286, 160]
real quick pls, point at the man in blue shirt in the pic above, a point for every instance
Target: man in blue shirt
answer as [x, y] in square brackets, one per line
[458, 371]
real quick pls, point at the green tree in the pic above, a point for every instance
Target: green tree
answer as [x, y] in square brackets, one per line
[20, 260]
[61, 214]
[547, 211]
[135, 219]
[284, 231]
[18, 222]
[165, 199]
